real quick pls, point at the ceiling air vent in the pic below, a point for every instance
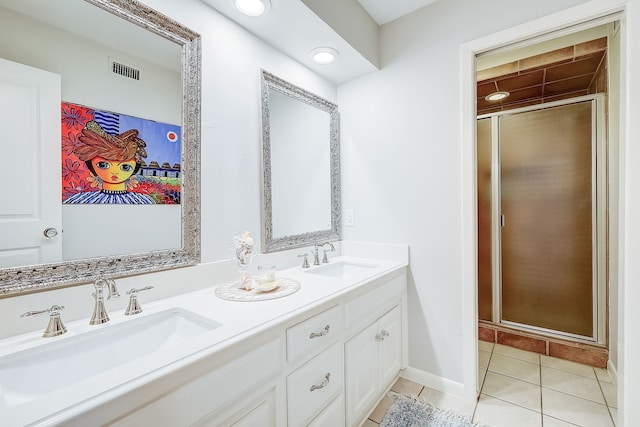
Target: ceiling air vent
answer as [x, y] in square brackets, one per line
[119, 68]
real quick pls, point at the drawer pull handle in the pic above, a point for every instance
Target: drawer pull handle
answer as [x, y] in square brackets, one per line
[324, 332]
[382, 335]
[323, 384]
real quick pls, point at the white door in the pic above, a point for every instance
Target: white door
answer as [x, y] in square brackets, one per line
[31, 163]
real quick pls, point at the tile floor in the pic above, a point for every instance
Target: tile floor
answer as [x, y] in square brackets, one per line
[522, 389]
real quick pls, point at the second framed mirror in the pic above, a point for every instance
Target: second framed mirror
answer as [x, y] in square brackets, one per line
[300, 166]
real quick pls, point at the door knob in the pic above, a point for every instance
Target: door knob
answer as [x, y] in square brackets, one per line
[50, 232]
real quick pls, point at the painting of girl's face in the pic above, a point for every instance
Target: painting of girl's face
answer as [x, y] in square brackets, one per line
[112, 171]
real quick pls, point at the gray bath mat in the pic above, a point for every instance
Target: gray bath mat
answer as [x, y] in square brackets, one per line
[413, 412]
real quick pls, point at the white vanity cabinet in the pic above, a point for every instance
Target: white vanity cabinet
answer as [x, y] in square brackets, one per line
[327, 364]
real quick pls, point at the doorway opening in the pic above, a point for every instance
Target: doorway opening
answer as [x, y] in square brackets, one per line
[543, 194]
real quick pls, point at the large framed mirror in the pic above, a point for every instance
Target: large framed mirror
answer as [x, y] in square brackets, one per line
[300, 166]
[121, 59]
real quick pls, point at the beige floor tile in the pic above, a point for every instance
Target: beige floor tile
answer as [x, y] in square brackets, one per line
[485, 346]
[406, 386]
[483, 359]
[504, 414]
[576, 385]
[610, 394]
[614, 415]
[603, 375]
[378, 413]
[548, 421]
[575, 410]
[482, 374]
[567, 366]
[528, 356]
[514, 391]
[515, 368]
[447, 401]
[370, 423]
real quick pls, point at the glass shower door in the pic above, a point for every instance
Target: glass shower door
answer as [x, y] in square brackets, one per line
[485, 257]
[546, 171]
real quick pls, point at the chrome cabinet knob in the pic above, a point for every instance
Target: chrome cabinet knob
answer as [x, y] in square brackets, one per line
[382, 335]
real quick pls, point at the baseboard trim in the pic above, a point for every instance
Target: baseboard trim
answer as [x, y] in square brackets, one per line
[435, 382]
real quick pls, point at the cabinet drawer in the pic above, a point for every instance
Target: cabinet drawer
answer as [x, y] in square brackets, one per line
[206, 394]
[314, 334]
[332, 415]
[366, 308]
[314, 385]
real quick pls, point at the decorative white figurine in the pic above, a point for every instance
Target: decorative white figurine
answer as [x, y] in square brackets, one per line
[244, 254]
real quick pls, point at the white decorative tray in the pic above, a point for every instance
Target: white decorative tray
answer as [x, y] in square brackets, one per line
[233, 291]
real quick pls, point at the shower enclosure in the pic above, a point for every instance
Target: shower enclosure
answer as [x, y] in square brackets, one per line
[542, 219]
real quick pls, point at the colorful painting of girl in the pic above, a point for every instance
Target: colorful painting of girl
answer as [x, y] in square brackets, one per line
[113, 161]
[115, 155]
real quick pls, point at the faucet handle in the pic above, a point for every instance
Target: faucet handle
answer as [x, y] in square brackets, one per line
[305, 261]
[134, 306]
[55, 326]
[324, 257]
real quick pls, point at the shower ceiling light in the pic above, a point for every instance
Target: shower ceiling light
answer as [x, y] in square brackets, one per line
[497, 96]
[323, 55]
[252, 7]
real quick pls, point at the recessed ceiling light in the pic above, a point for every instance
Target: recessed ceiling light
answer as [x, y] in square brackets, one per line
[323, 55]
[252, 7]
[497, 96]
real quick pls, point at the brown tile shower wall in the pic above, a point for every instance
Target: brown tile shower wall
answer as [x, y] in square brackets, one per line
[567, 350]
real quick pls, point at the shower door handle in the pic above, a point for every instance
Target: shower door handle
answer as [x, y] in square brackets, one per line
[502, 221]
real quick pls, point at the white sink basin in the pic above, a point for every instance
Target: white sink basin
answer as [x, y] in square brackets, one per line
[343, 269]
[31, 373]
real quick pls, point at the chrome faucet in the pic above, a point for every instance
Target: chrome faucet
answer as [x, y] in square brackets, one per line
[331, 248]
[134, 305]
[316, 252]
[99, 311]
[305, 261]
[55, 326]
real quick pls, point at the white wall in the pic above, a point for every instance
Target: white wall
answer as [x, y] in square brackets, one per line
[614, 195]
[402, 169]
[83, 65]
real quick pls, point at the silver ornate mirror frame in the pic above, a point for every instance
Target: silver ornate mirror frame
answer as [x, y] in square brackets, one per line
[269, 242]
[32, 278]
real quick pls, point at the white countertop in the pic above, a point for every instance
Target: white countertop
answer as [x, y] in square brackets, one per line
[239, 321]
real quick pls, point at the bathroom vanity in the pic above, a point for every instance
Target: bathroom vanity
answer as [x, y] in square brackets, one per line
[324, 355]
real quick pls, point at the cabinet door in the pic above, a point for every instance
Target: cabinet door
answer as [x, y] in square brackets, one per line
[390, 333]
[362, 372]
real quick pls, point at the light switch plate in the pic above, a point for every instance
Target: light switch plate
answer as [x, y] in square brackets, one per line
[349, 217]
